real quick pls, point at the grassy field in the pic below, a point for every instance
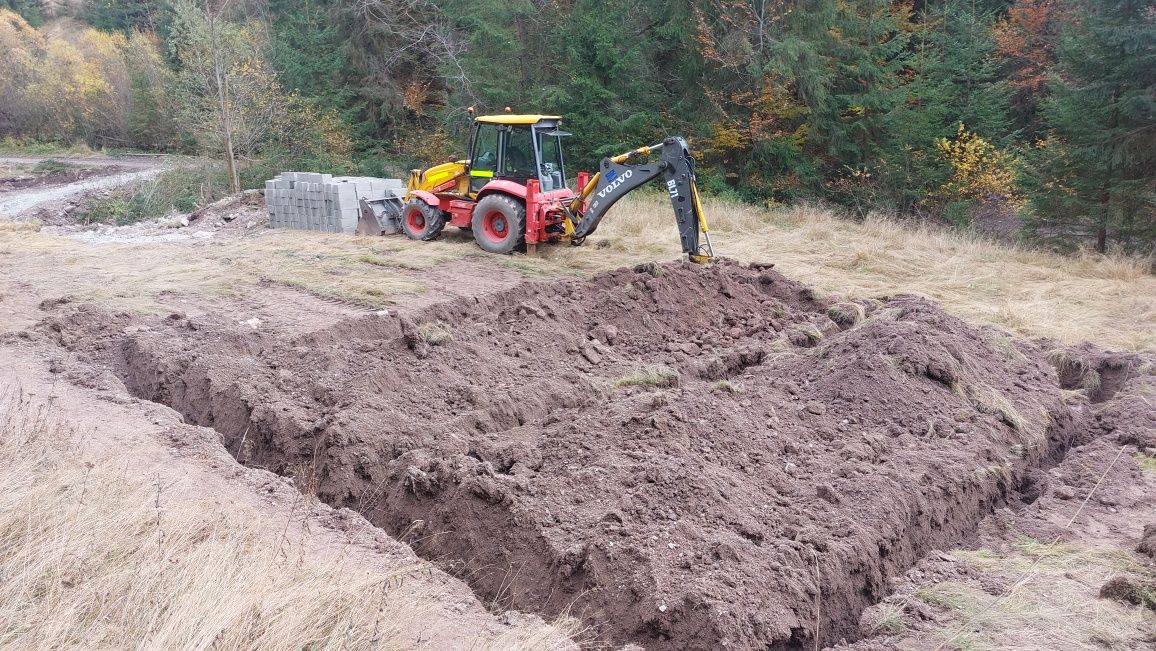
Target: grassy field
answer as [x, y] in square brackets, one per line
[30, 147]
[1107, 299]
[1048, 606]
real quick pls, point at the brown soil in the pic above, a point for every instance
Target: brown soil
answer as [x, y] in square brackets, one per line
[1096, 502]
[765, 495]
[1147, 544]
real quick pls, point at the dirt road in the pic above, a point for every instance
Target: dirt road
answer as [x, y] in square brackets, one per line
[136, 162]
[122, 170]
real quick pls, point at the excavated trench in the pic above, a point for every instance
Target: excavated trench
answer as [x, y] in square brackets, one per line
[683, 458]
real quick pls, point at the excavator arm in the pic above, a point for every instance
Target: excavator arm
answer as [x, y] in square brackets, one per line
[618, 175]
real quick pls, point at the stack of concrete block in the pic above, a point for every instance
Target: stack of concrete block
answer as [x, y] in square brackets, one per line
[321, 202]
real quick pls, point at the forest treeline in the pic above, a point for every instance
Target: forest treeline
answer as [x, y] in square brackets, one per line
[1041, 113]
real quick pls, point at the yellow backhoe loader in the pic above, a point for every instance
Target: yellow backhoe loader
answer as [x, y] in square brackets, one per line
[511, 191]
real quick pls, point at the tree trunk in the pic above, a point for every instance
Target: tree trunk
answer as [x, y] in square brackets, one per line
[1102, 227]
[226, 118]
[523, 57]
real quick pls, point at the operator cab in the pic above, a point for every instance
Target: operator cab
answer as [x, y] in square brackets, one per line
[517, 148]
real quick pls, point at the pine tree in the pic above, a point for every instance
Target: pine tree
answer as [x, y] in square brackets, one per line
[1026, 38]
[307, 51]
[955, 80]
[29, 10]
[869, 45]
[123, 15]
[1096, 172]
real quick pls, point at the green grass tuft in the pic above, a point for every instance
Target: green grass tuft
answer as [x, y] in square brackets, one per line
[374, 260]
[890, 621]
[658, 376]
[1147, 463]
[50, 165]
[726, 386]
[436, 333]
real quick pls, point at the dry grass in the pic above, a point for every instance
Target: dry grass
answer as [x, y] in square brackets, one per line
[726, 386]
[19, 227]
[91, 557]
[889, 621]
[989, 400]
[10, 170]
[846, 314]
[10, 146]
[436, 333]
[1146, 463]
[133, 276]
[806, 331]
[1058, 608]
[1110, 300]
[654, 376]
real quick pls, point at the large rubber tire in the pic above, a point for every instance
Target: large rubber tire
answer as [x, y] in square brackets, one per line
[421, 221]
[499, 223]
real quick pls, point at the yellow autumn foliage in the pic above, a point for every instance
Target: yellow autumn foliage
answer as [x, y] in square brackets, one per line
[725, 139]
[250, 105]
[64, 81]
[979, 170]
[772, 113]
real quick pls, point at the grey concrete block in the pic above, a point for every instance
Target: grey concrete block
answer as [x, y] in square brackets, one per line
[322, 202]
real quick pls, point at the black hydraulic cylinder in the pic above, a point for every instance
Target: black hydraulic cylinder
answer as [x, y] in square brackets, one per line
[616, 180]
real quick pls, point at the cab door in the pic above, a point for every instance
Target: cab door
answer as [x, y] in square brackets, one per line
[519, 160]
[484, 157]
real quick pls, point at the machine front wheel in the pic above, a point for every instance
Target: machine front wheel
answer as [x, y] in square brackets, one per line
[499, 223]
[421, 221]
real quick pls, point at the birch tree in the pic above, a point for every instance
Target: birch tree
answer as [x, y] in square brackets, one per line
[229, 92]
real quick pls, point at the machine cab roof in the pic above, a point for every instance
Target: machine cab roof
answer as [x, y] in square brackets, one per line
[516, 119]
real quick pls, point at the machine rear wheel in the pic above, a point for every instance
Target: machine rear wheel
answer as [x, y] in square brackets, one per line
[421, 221]
[499, 223]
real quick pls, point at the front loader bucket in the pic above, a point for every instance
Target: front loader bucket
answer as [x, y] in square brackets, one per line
[379, 216]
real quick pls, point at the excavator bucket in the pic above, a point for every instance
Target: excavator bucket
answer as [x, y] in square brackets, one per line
[379, 215]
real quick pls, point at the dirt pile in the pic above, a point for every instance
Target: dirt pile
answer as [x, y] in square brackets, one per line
[684, 457]
[1053, 560]
[242, 211]
[1147, 544]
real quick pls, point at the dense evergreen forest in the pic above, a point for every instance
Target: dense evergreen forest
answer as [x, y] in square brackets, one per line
[1041, 113]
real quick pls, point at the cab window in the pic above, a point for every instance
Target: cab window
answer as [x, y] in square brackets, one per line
[484, 161]
[518, 162]
[553, 174]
